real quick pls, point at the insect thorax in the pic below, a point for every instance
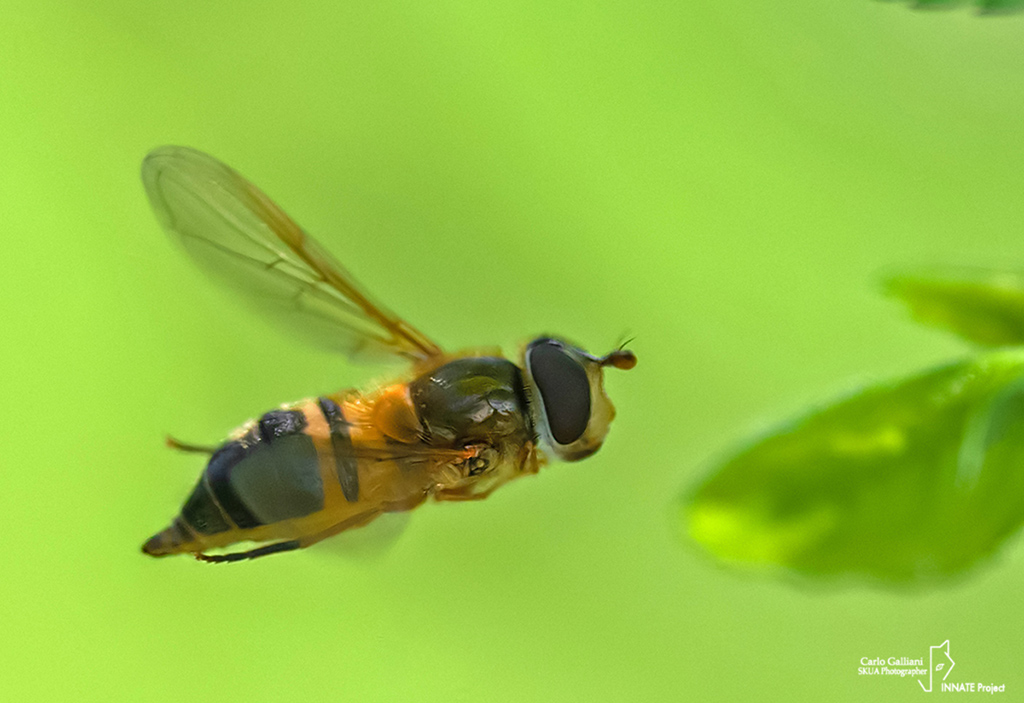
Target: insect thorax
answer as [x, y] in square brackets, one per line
[473, 400]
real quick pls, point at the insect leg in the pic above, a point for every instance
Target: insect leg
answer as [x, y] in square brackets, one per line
[183, 447]
[462, 494]
[289, 545]
[251, 554]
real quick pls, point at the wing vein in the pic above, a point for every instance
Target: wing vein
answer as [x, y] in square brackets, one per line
[242, 239]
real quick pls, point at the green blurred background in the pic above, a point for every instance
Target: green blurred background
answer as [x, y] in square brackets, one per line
[723, 180]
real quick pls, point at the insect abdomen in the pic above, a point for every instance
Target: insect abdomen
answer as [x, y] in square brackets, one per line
[271, 474]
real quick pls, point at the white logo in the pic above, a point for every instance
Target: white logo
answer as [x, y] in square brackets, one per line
[937, 659]
[940, 664]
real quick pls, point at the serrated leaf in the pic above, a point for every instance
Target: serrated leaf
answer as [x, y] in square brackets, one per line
[983, 306]
[910, 482]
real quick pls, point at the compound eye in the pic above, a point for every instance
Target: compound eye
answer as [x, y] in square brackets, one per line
[564, 389]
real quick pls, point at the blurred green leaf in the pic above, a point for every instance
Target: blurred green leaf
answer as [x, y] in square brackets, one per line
[985, 7]
[986, 307]
[906, 483]
[1000, 7]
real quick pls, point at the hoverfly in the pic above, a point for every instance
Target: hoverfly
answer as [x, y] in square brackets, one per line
[455, 427]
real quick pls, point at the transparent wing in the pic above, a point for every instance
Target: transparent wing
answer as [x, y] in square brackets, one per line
[368, 543]
[242, 239]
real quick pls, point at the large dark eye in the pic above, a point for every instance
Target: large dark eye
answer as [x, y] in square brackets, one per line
[564, 389]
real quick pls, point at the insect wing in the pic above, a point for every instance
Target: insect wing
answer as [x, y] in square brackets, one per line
[368, 543]
[241, 238]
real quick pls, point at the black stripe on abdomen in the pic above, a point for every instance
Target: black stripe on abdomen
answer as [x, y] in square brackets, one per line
[201, 511]
[218, 474]
[345, 464]
[281, 423]
[270, 474]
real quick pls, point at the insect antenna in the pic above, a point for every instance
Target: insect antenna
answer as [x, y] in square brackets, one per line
[620, 357]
